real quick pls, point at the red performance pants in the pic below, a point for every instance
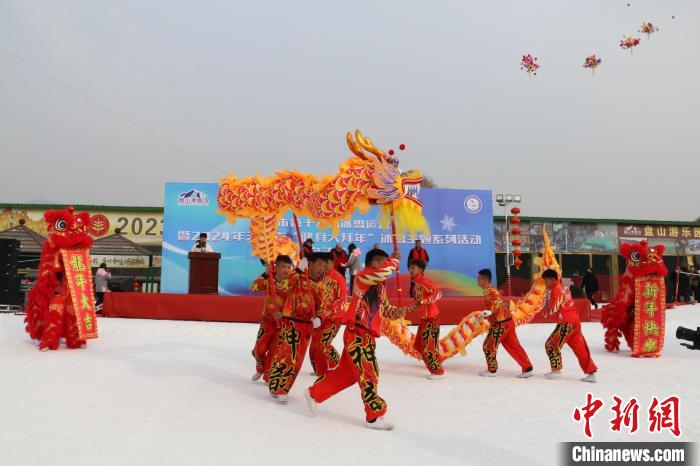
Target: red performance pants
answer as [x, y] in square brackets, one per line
[572, 336]
[503, 333]
[265, 345]
[322, 354]
[358, 365]
[291, 349]
[426, 343]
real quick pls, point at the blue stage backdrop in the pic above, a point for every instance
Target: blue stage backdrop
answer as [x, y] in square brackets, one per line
[461, 240]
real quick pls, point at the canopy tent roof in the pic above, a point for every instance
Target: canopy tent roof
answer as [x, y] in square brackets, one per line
[29, 240]
[118, 245]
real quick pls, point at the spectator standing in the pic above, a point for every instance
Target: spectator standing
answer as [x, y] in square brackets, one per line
[340, 257]
[590, 286]
[684, 285]
[354, 263]
[694, 284]
[102, 277]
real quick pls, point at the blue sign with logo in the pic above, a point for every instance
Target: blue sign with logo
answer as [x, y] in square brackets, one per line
[461, 240]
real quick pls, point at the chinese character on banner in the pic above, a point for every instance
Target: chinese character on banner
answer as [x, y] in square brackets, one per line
[696, 232]
[183, 235]
[665, 415]
[586, 412]
[673, 232]
[685, 232]
[76, 263]
[661, 231]
[648, 231]
[360, 238]
[627, 416]
[649, 316]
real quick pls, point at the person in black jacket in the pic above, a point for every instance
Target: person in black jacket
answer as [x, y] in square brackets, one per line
[590, 286]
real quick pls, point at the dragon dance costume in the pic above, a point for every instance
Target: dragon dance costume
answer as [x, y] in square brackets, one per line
[426, 295]
[358, 363]
[567, 330]
[502, 332]
[333, 293]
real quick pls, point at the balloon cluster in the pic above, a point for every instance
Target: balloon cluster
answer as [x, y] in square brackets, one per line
[592, 62]
[629, 42]
[529, 64]
[515, 234]
[648, 29]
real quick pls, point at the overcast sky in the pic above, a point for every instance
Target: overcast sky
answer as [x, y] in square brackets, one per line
[190, 91]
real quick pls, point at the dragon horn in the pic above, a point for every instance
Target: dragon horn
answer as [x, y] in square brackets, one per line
[366, 144]
[355, 148]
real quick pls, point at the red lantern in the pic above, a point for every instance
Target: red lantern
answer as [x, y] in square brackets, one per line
[516, 231]
[517, 252]
[515, 210]
[516, 242]
[518, 263]
[515, 221]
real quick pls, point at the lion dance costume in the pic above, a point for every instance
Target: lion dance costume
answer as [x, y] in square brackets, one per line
[638, 309]
[61, 304]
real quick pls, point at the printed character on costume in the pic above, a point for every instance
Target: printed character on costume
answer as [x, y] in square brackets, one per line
[333, 293]
[276, 283]
[568, 330]
[501, 330]
[426, 294]
[358, 363]
[299, 319]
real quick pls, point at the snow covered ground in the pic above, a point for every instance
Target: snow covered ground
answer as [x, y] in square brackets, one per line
[179, 393]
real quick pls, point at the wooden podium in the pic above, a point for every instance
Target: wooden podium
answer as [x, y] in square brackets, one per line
[204, 272]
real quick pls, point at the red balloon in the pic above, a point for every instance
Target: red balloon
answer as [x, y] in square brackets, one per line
[391, 151]
[402, 146]
[515, 210]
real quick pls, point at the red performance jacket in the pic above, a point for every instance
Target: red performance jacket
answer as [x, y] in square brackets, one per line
[495, 304]
[369, 302]
[281, 292]
[558, 300]
[304, 301]
[333, 294]
[426, 294]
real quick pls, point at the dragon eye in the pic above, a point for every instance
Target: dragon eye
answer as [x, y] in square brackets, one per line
[635, 256]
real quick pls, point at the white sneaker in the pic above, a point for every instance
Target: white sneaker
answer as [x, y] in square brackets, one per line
[525, 375]
[256, 377]
[379, 424]
[311, 403]
[282, 399]
[553, 375]
[589, 378]
[435, 376]
[487, 374]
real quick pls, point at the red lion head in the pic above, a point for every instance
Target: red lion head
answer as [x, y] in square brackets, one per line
[68, 230]
[644, 260]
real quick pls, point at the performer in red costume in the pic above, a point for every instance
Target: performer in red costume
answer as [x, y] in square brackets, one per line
[51, 313]
[501, 330]
[334, 295]
[568, 329]
[299, 319]
[358, 363]
[426, 294]
[276, 282]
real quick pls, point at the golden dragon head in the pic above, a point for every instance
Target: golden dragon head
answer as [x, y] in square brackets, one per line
[392, 189]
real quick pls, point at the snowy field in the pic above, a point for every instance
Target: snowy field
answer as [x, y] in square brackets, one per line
[179, 393]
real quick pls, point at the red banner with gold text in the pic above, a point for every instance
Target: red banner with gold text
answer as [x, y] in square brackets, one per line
[649, 316]
[76, 263]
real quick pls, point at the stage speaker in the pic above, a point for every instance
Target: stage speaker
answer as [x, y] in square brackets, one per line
[9, 281]
[121, 284]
